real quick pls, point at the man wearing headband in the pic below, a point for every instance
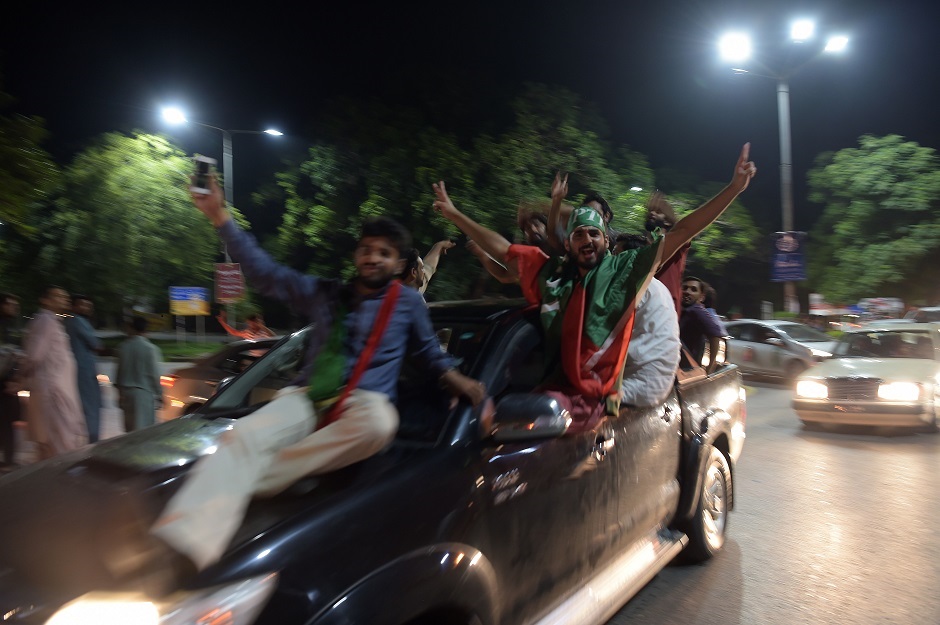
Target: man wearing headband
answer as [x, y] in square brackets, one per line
[588, 297]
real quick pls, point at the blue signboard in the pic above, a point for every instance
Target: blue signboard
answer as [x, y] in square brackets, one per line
[787, 262]
[189, 300]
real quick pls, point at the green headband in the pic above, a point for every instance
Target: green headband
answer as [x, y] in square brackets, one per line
[585, 216]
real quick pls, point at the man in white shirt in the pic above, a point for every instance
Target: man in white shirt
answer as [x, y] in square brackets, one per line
[653, 353]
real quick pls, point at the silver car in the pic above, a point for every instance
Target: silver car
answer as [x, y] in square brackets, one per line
[188, 388]
[776, 348]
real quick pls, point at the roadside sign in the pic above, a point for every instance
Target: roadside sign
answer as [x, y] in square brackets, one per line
[229, 283]
[189, 301]
[788, 264]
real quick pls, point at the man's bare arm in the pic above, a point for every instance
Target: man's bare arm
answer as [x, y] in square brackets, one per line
[555, 216]
[689, 226]
[433, 257]
[492, 242]
[714, 344]
[494, 268]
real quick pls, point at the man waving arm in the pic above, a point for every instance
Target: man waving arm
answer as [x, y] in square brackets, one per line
[689, 226]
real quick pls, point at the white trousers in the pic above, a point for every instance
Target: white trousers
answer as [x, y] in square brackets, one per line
[263, 454]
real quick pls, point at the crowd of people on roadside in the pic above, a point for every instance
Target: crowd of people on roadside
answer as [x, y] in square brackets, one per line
[54, 360]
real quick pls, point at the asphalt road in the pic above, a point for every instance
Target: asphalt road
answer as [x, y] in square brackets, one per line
[829, 527]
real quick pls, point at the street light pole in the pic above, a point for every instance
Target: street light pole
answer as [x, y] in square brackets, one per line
[737, 47]
[790, 302]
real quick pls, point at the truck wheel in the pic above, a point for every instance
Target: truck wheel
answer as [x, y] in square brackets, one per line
[706, 530]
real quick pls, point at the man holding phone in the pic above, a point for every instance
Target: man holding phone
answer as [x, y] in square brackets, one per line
[285, 440]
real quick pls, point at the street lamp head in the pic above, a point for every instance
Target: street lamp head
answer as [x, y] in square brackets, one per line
[174, 115]
[735, 47]
[636, 189]
[273, 132]
[802, 30]
[837, 43]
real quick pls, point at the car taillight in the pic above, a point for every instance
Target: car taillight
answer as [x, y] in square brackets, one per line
[168, 380]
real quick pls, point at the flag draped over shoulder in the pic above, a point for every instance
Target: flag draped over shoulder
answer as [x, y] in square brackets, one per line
[588, 320]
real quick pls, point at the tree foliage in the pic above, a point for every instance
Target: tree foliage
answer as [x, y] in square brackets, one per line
[27, 173]
[123, 228]
[879, 233]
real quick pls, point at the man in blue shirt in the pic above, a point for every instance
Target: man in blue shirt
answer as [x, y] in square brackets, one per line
[697, 326]
[270, 449]
[85, 348]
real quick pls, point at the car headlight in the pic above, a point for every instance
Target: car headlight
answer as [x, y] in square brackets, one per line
[238, 603]
[811, 389]
[899, 391]
[820, 353]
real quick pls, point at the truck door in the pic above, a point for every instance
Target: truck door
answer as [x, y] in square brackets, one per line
[548, 500]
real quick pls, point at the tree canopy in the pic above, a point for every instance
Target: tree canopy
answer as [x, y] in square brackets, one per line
[121, 229]
[27, 173]
[879, 233]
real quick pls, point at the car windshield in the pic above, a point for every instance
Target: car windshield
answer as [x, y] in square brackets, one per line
[924, 316]
[423, 407]
[886, 344]
[800, 332]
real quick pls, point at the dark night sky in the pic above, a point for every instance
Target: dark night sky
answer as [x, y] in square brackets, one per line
[651, 68]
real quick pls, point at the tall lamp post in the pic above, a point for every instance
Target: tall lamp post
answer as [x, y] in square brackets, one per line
[736, 47]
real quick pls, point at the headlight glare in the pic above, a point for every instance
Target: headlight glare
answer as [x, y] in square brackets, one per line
[899, 391]
[107, 610]
[238, 603]
[811, 389]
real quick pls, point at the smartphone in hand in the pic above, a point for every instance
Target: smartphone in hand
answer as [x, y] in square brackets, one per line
[204, 166]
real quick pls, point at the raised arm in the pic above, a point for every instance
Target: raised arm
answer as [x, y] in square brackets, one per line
[492, 242]
[556, 220]
[494, 268]
[689, 226]
[433, 258]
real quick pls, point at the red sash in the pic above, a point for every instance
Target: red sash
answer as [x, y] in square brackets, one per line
[378, 329]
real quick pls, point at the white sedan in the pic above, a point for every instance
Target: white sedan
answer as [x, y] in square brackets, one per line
[886, 375]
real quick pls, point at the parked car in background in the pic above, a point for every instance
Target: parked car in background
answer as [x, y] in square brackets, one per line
[190, 387]
[775, 347]
[883, 376]
[924, 315]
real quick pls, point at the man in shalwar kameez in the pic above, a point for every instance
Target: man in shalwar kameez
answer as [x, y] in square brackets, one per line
[56, 420]
[588, 297]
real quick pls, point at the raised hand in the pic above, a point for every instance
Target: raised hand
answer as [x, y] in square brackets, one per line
[445, 245]
[559, 187]
[744, 169]
[443, 204]
[212, 205]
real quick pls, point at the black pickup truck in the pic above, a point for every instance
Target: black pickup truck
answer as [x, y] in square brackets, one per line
[470, 517]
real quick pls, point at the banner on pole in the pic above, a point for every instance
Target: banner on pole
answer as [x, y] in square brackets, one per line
[787, 262]
[229, 283]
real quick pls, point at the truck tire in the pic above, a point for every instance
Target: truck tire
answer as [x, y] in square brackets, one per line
[706, 529]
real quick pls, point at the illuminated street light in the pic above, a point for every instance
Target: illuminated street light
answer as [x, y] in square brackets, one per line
[737, 47]
[802, 30]
[636, 189]
[837, 43]
[175, 115]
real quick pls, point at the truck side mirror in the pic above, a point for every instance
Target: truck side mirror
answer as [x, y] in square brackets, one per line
[528, 416]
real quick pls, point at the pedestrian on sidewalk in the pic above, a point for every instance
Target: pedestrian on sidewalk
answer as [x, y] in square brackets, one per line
[85, 348]
[138, 378]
